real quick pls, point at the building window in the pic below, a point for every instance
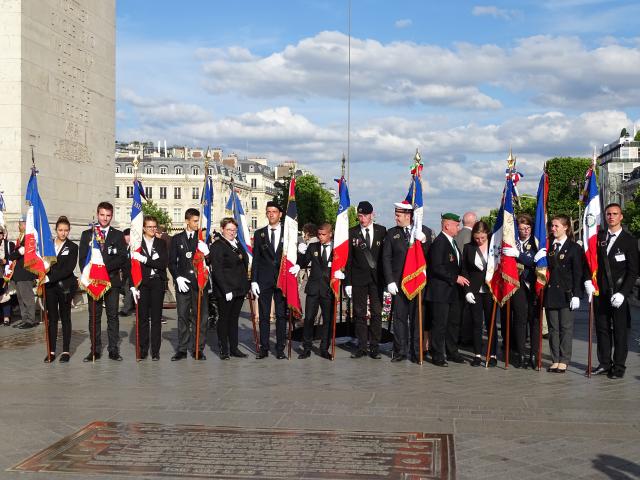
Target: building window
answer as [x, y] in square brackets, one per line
[165, 210]
[130, 192]
[195, 193]
[254, 223]
[163, 193]
[163, 170]
[118, 213]
[176, 215]
[129, 169]
[148, 191]
[177, 193]
[254, 203]
[117, 168]
[128, 213]
[178, 170]
[117, 191]
[254, 183]
[148, 169]
[209, 171]
[195, 171]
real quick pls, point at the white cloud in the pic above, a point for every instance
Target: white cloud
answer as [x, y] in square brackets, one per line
[492, 11]
[403, 23]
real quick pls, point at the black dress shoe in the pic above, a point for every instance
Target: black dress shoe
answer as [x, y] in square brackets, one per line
[50, 358]
[262, 354]
[281, 356]
[325, 355]
[456, 359]
[615, 373]
[143, 356]
[440, 363]
[64, 358]
[600, 370]
[238, 354]
[375, 355]
[115, 356]
[178, 356]
[155, 357]
[476, 362]
[25, 325]
[91, 357]
[359, 354]
[18, 324]
[224, 356]
[516, 361]
[398, 358]
[493, 362]
[304, 354]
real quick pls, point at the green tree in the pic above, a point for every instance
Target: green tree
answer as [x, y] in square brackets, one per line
[526, 204]
[624, 133]
[632, 214]
[636, 138]
[566, 181]
[150, 208]
[315, 203]
[490, 219]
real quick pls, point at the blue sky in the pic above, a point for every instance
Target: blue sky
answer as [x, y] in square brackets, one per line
[462, 81]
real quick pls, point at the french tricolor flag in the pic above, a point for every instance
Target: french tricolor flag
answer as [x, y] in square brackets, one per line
[95, 277]
[341, 235]
[135, 238]
[591, 222]
[287, 282]
[235, 205]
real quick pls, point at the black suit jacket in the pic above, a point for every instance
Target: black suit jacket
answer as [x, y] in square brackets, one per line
[157, 259]
[394, 253]
[62, 270]
[442, 271]
[470, 270]
[114, 254]
[181, 257]
[229, 269]
[320, 274]
[358, 270]
[266, 263]
[565, 275]
[623, 263]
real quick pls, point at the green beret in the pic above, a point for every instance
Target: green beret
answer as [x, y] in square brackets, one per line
[450, 216]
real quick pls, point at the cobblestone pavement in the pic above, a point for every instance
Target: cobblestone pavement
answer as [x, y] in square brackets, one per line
[506, 423]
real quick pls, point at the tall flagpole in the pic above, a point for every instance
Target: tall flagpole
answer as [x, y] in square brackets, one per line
[136, 162]
[348, 105]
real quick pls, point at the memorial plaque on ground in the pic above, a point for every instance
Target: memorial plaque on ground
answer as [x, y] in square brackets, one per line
[193, 451]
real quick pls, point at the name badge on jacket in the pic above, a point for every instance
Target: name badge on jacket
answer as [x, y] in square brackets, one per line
[620, 257]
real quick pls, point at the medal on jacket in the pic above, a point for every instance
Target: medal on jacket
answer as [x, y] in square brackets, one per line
[561, 257]
[188, 254]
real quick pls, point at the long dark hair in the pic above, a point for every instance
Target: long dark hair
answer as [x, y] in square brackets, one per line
[481, 227]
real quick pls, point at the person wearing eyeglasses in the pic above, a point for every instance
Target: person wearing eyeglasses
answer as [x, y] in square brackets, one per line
[229, 269]
[149, 295]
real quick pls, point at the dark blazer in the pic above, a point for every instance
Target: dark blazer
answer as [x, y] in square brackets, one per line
[181, 257]
[528, 271]
[157, 259]
[623, 263]
[229, 269]
[475, 275]
[320, 275]
[394, 253]
[358, 270]
[266, 262]
[114, 253]
[20, 274]
[62, 270]
[442, 271]
[565, 275]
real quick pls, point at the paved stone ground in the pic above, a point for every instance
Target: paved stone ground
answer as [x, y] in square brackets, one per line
[507, 423]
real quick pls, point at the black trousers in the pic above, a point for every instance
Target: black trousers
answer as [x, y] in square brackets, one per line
[481, 313]
[264, 312]
[58, 308]
[325, 303]
[612, 326]
[372, 333]
[227, 325]
[406, 336]
[150, 315]
[110, 299]
[445, 328]
[187, 306]
[523, 306]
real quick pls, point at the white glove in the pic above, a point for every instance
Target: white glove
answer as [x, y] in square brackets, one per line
[541, 253]
[589, 288]
[348, 290]
[339, 274]
[135, 293]
[203, 248]
[392, 288]
[21, 250]
[510, 252]
[575, 303]
[183, 284]
[616, 300]
[470, 298]
[255, 289]
[420, 236]
[139, 257]
[47, 265]
[46, 279]
[302, 248]
[229, 296]
[294, 270]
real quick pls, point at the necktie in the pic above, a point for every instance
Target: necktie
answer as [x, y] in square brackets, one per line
[610, 236]
[367, 237]
[406, 233]
[325, 257]
[455, 247]
[273, 238]
[556, 247]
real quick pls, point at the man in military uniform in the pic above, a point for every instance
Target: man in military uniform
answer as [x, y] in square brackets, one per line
[443, 272]
[405, 311]
[364, 281]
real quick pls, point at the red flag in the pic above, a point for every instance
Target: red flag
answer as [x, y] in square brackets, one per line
[202, 272]
[287, 282]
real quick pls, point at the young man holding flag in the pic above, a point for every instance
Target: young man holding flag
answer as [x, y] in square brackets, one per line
[22, 280]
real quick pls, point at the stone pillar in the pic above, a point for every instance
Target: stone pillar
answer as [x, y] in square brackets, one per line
[57, 94]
